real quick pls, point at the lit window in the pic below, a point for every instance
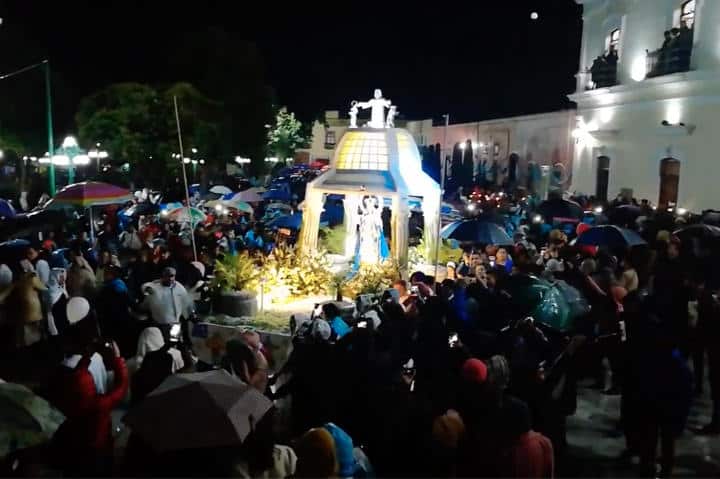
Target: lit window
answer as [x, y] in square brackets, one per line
[615, 39]
[363, 151]
[687, 13]
[330, 138]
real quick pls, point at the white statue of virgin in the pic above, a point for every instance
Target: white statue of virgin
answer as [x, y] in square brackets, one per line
[370, 231]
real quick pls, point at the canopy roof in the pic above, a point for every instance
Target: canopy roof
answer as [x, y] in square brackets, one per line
[377, 161]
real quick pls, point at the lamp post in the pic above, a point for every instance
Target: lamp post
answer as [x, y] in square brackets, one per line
[48, 102]
[51, 147]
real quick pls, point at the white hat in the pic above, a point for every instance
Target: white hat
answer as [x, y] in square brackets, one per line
[77, 309]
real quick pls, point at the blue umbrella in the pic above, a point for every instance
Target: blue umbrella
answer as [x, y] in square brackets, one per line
[477, 232]
[13, 250]
[6, 209]
[611, 236]
[292, 222]
[277, 195]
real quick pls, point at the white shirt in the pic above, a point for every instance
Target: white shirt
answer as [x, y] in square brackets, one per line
[168, 303]
[42, 268]
[97, 370]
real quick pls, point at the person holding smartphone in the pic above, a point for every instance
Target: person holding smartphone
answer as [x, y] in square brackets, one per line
[83, 445]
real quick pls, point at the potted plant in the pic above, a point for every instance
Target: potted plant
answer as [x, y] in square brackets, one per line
[236, 281]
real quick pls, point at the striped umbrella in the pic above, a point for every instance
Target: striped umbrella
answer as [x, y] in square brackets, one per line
[181, 215]
[89, 193]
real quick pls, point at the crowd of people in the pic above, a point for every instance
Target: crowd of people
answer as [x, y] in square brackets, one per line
[430, 378]
[675, 52]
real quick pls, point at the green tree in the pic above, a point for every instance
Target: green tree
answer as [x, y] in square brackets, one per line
[286, 135]
[136, 125]
[131, 122]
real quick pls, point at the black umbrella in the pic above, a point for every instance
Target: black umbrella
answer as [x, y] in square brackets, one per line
[484, 232]
[624, 214]
[558, 208]
[611, 236]
[700, 231]
[198, 410]
[142, 209]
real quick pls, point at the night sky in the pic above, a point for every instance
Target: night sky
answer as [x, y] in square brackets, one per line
[479, 60]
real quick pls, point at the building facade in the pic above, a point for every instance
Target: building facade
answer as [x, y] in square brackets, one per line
[542, 139]
[648, 101]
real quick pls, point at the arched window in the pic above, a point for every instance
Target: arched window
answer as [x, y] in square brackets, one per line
[603, 178]
[687, 13]
[669, 181]
[613, 43]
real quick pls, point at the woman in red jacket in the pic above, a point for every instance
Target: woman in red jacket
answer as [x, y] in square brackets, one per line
[84, 444]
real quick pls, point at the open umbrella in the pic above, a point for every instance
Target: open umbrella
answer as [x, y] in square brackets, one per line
[6, 209]
[141, 209]
[213, 203]
[558, 209]
[277, 195]
[13, 250]
[181, 215]
[220, 190]
[89, 193]
[224, 412]
[553, 304]
[26, 420]
[699, 231]
[252, 195]
[624, 214]
[477, 232]
[241, 206]
[292, 222]
[611, 236]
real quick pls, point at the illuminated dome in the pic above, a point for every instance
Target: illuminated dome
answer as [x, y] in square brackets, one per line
[383, 162]
[377, 161]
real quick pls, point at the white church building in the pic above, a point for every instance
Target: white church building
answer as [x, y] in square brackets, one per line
[648, 120]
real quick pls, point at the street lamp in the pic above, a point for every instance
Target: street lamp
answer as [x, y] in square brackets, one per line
[98, 154]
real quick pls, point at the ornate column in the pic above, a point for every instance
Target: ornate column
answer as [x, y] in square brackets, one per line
[350, 222]
[399, 221]
[311, 220]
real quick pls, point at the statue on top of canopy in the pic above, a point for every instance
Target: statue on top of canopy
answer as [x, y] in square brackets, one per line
[377, 110]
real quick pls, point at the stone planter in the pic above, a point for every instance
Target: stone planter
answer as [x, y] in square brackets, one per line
[237, 304]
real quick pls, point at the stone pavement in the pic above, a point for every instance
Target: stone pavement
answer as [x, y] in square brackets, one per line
[596, 442]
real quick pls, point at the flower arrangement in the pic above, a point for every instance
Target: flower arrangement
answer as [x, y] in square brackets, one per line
[372, 279]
